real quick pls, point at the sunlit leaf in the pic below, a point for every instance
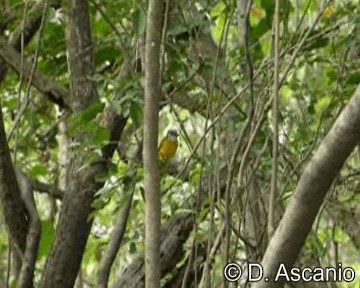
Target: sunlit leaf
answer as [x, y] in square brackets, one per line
[218, 9]
[47, 237]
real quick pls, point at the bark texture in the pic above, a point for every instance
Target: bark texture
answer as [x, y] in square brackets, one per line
[12, 205]
[74, 225]
[33, 237]
[117, 235]
[174, 235]
[311, 190]
[150, 149]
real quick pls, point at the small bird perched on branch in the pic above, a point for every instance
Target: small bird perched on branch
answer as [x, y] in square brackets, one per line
[168, 145]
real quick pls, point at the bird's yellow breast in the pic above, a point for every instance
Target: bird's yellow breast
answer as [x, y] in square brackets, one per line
[167, 148]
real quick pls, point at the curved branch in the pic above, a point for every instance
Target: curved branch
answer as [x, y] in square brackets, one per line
[116, 237]
[311, 190]
[54, 91]
[31, 27]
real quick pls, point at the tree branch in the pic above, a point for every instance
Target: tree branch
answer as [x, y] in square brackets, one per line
[311, 190]
[50, 189]
[274, 163]
[116, 237]
[13, 207]
[31, 27]
[150, 148]
[34, 233]
[51, 89]
[174, 235]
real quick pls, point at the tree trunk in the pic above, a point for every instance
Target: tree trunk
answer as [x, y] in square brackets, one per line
[74, 225]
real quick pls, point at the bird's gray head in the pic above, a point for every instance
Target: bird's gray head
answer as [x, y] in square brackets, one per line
[172, 134]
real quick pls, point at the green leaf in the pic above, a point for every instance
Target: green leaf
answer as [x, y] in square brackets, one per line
[318, 42]
[268, 5]
[132, 248]
[176, 29]
[10, 104]
[316, 246]
[286, 92]
[266, 45]
[90, 113]
[265, 23]
[81, 122]
[219, 28]
[261, 28]
[127, 91]
[99, 203]
[322, 104]
[354, 78]
[195, 176]
[38, 170]
[47, 237]
[100, 136]
[218, 9]
[136, 113]
[110, 53]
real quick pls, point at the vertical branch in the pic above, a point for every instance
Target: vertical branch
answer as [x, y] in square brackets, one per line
[26, 10]
[23, 106]
[150, 149]
[163, 40]
[244, 26]
[34, 233]
[13, 208]
[249, 62]
[274, 168]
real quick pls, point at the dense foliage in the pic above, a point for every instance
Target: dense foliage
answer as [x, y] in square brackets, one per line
[209, 57]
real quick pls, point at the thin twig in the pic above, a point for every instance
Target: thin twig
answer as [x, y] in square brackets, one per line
[26, 9]
[251, 140]
[28, 99]
[199, 188]
[265, 64]
[274, 168]
[116, 31]
[240, 139]
[8, 267]
[301, 44]
[163, 38]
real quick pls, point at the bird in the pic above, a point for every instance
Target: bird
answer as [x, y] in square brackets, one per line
[168, 145]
